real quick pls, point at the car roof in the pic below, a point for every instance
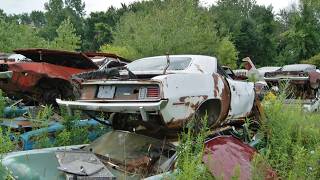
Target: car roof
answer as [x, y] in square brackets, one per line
[299, 67]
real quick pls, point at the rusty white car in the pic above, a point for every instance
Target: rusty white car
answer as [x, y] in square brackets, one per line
[165, 92]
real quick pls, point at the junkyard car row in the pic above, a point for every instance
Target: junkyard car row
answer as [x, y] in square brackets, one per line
[148, 103]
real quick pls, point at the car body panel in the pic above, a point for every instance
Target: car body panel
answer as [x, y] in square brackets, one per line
[243, 96]
[58, 57]
[35, 164]
[227, 157]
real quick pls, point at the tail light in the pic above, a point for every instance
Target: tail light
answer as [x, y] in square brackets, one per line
[152, 92]
[149, 92]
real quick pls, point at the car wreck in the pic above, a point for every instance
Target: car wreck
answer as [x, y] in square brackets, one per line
[47, 75]
[107, 157]
[126, 155]
[164, 93]
[300, 82]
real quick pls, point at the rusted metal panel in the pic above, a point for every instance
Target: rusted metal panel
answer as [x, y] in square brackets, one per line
[242, 95]
[227, 157]
[58, 57]
[26, 75]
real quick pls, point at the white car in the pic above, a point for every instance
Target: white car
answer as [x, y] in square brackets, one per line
[166, 92]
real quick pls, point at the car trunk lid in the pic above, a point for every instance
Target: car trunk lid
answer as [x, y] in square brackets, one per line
[58, 57]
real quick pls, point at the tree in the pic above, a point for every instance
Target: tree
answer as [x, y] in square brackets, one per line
[256, 37]
[13, 36]
[177, 27]
[38, 19]
[126, 52]
[227, 53]
[302, 39]
[57, 11]
[77, 6]
[230, 14]
[315, 60]
[66, 39]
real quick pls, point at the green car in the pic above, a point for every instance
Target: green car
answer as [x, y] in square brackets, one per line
[115, 155]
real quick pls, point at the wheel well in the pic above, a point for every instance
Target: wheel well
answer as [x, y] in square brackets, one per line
[62, 86]
[49, 82]
[211, 107]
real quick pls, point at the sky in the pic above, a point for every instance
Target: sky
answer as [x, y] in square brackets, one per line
[21, 6]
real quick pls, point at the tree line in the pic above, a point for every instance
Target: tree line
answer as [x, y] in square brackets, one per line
[228, 29]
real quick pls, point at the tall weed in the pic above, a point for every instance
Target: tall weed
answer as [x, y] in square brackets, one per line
[293, 143]
[190, 153]
[2, 103]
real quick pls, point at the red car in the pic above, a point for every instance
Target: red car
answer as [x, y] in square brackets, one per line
[46, 74]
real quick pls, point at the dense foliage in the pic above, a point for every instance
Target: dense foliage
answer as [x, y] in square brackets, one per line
[228, 29]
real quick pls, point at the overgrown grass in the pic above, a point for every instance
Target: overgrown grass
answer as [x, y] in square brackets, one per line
[190, 153]
[70, 135]
[2, 103]
[293, 140]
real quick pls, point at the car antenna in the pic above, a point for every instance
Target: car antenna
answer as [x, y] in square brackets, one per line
[168, 63]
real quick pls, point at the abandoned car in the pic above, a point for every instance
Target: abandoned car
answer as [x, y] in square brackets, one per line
[47, 75]
[300, 82]
[165, 92]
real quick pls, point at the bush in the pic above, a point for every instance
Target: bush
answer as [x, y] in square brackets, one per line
[293, 144]
[125, 52]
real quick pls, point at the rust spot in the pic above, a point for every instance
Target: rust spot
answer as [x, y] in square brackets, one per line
[179, 123]
[225, 102]
[199, 68]
[195, 106]
[182, 99]
[215, 82]
[88, 92]
[178, 103]
[24, 123]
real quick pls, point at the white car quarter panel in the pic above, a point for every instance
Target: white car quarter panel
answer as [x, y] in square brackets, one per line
[184, 92]
[242, 98]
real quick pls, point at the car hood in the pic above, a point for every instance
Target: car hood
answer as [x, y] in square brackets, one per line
[35, 164]
[42, 164]
[58, 57]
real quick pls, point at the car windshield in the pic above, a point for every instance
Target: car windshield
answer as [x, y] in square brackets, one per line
[125, 146]
[159, 63]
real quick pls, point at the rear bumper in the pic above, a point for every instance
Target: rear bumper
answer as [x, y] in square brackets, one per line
[6, 75]
[113, 106]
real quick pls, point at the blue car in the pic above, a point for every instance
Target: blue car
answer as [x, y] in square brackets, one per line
[27, 140]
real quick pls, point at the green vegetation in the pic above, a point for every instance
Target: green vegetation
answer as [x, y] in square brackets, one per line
[293, 144]
[190, 152]
[2, 104]
[228, 29]
[67, 39]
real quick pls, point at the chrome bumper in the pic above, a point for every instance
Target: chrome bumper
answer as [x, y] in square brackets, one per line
[113, 106]
[6, 75]
[295, 78]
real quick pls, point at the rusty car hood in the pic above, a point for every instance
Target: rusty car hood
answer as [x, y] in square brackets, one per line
[226, 155]
[58, 57]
